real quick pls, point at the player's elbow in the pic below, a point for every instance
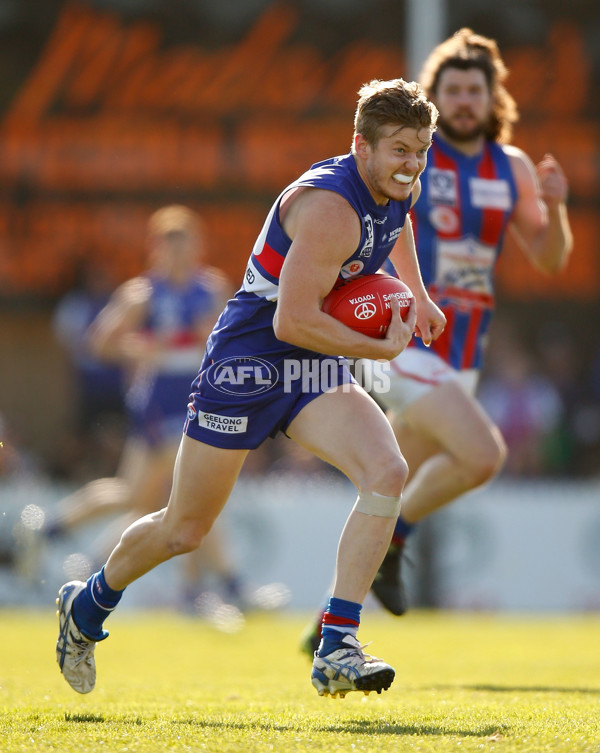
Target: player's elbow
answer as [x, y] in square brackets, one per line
[286, 325]
[279, 325]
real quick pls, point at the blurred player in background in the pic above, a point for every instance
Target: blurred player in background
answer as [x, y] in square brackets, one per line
[155, 327]
[339, 218]
[475, 189]
[96, 442]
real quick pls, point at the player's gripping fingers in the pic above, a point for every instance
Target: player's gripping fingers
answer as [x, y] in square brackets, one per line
[411, 317]
[400, 330]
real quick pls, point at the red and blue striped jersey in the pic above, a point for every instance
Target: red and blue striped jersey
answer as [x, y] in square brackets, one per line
[459, 224]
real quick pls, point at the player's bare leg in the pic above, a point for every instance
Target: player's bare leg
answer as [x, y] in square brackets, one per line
[470, 448]
[451, 447]
[197, 497]
[371, 459]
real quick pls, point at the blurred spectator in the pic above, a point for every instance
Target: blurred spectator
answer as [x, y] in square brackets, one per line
[98, 435]
[15, 460]
[575, 447]
[524, 404]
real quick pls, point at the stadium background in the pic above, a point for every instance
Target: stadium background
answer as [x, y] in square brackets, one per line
[110, 109]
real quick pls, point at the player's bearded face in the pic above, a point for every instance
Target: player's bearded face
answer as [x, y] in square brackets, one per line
[464, 102]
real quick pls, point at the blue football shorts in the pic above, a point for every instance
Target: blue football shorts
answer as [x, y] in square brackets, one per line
[239, 401]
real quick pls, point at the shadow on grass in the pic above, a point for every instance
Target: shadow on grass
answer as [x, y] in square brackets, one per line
[351, 727]
[96, 718]
[99, 719]
[519, 688]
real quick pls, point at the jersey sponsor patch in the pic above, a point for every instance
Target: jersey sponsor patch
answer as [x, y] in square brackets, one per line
[393, 234]
[466, 264]
[352, 268]
[444, 219]
[442, 186]
[490, 194]
[223, 424]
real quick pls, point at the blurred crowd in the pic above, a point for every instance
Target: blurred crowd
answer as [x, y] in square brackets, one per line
[545, 397]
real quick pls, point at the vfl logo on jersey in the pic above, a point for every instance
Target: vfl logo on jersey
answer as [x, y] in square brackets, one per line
[442, 186]
[444, 219]
[352, 268]
[490, 194]
[367, 248]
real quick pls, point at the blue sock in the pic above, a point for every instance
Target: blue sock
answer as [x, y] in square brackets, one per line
[401, 531]
[341, 618]
[92, 606]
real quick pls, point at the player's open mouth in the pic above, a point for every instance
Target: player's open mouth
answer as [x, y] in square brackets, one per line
[406, 179]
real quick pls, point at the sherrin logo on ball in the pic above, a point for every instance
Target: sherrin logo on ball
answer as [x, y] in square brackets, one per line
[363, 303]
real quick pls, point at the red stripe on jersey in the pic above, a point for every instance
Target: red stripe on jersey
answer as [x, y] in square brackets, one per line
[491, 219]
[444, 162]
[270, 261]
[470, 346]
[443, 343]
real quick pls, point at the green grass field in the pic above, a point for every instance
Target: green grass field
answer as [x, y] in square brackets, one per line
[171, 683]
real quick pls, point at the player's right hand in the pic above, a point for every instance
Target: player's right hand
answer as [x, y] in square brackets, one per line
[400, 331]
[430, 321]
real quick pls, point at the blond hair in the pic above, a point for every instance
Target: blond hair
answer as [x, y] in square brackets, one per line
[395, 102]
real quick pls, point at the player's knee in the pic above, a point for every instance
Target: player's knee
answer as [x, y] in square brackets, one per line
[488, 461]
[386, 474]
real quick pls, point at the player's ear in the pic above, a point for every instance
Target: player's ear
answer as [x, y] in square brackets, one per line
[361, 146]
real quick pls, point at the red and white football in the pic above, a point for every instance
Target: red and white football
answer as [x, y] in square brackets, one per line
[363, 303]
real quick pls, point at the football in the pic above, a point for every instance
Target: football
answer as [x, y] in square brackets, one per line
[363, 303]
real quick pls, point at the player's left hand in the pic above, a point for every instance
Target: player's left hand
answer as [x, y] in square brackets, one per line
[430, 321]
[553, 182]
